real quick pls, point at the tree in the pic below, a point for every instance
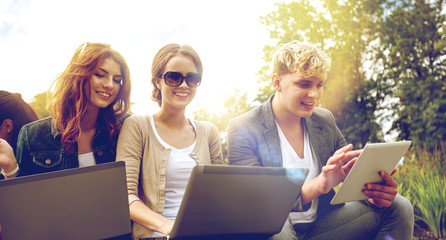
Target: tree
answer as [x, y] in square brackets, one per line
[234, 105]
[413, 39]
[39, 104]
[343, 30]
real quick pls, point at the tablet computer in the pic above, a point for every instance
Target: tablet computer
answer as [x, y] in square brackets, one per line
[374, 157]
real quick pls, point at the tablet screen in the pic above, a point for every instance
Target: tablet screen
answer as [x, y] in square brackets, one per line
[375, 157]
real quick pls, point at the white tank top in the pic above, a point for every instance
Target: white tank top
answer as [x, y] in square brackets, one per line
[179, 168]
[86, 159]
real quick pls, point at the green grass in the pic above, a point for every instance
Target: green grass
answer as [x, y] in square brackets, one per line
[422, 181]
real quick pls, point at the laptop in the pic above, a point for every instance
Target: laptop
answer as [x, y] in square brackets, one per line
[236, 202]
[81, 203]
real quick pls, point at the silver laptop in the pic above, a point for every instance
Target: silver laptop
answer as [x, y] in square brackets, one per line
[236, 202]
[81, 203]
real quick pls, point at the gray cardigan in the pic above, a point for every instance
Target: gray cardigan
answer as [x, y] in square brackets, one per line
[253, 140]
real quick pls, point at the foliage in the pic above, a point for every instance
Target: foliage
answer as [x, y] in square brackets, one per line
[421, 180]
[344, 31]
[381, 50]
[234, 106]
[414, 63]
[39, 104]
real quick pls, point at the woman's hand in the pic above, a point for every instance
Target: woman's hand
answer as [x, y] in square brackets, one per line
[7, 159]
[382, 194]
[166, 227]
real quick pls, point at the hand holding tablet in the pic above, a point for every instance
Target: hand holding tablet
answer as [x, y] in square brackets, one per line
[375, 157]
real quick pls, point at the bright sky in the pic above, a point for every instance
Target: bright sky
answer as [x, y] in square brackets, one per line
[39, 37]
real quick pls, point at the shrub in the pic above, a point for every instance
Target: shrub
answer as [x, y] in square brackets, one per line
[422, 181]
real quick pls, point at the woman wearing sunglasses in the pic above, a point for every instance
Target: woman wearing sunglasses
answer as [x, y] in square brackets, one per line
[88, 105]
[160, 150]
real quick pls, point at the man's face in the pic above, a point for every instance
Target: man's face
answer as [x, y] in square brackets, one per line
[299, 95]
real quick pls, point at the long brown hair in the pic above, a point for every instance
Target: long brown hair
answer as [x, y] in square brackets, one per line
[71, 94]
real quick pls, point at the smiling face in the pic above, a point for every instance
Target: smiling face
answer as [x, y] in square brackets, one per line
[105, 84]
[181, 96]
[298, 95]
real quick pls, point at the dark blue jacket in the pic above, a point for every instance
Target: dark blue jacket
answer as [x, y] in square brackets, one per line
[39, 149]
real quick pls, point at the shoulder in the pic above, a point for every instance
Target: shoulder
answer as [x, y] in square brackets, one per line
[252, 118]
[136, 120]
[136, 126]
[39, 128]
[40, 134]
[205, 126]
[322, 115]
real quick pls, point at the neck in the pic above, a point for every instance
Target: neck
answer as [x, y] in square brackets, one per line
[89, 119]
[282, 116]
[172, 118]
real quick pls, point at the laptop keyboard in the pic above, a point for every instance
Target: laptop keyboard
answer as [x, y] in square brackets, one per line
[155, 238]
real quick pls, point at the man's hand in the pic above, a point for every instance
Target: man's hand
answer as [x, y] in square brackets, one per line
[334, 172]
[382, 194]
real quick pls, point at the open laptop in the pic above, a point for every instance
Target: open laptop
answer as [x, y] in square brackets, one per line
[82, 203]
[236, 202]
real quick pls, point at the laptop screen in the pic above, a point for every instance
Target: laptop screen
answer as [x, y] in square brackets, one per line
[82, 203]
[237, 200]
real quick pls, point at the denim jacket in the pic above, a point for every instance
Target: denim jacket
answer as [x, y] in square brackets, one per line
[39, 149]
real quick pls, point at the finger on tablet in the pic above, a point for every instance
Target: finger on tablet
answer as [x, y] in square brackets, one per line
[347, 167]
[335, 158]
[393, 172]
[388, 180]
[344, 149]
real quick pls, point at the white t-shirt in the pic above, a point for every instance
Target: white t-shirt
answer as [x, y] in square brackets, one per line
[292, 160]
[178, 170]
[86, 159]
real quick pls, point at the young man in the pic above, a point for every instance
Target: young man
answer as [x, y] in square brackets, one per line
[290, 131]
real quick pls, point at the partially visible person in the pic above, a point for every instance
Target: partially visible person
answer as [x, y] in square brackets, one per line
[7, 160]
[290, 131]
[88, 105]
[14, 113]
[160, 150]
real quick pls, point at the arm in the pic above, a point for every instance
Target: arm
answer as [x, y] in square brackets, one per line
[130, 149]
[8, 162]
[143, 215]
[333, 173]
[215, 146]
[240, 149]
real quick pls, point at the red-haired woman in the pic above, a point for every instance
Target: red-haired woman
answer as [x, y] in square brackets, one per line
[88, 106]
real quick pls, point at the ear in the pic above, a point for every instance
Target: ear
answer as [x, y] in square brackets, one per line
[158, 83]
[277, 82]
[7, 126]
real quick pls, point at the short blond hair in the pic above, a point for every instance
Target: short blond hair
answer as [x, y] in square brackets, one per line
[304, 58]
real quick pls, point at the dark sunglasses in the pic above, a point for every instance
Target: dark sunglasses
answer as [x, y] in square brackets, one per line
[175, 79]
